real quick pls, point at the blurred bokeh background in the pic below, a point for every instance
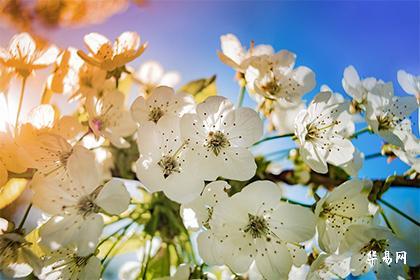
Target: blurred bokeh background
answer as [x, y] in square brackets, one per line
[377, 37]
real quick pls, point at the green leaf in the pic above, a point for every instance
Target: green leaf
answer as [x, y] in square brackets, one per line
[160, 264]
[128, 246]
[201, 88]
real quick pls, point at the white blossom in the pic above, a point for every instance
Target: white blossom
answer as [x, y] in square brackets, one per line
[360, 240]
[109, 118]
[16, 258]
[387, 114]
[274, 77]
[76, 219]
[66, 264]
[163, 164]
[327, 267]
[162, 101]
[355, 87]
[151, 75]
[345, 205]
[253, 225]
[283, 115]
[238, 57]
[219, 136]
[409, 83]
[318, 129]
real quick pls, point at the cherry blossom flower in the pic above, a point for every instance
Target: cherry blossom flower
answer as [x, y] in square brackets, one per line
[66, 264]
[254, 225]
[345, 205]
[387, 114]
[5, 76]
[327, 267]
[109, 118]
[274, 77]
[283, 115]
[16, 259]
[109, 56]
[162, 101]
[357, 88]
[318, 130]
[76, 219]
[203, 206]
[234, 55]
[11, 157]
[163, 165]
[410, 153]
[360, 240]
[24, 57]
[151, 75]
[409, 83]
[219, 136]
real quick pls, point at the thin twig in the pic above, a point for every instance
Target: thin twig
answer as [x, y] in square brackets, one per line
[399, 211]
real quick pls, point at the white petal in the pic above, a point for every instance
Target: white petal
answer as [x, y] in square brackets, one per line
[94, 42]
[208, 248]
[114, 197]
[293, 223]
[247, 129]
[92, 269]
[408, 82]
[273, 260]
[232, 48]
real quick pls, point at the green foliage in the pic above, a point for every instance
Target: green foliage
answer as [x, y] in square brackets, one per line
[124, 160]
[160, 264]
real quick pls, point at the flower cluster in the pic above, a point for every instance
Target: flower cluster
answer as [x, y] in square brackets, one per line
[173, 176]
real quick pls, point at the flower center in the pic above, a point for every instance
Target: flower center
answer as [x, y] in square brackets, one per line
[155, 114]
[257, 226]
[87, 205]
[385, 121]
[272, 88]
[80, 261]
[169, 165]
[375, 245]
[216, 141]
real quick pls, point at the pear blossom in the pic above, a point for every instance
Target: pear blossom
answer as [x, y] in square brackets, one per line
[11, 157]
[66, 264]
[24, 57]
[318, 130]
[234, 55]
[409, 83]
[16, 259]
[76, 219]
[162, 101]
[387, 115]
[203, 207]
[109, 118]
[357, 88]
[219, 135]
[253, 225]
[283, 115]
[44, 119]
[360, 240]
[345, 205]
[151, 75]
[410, 153]
[163, 165]
[274, 77]
[112, 56]
[327, 267]
[214, 193]
[57, 160]
[6, 74]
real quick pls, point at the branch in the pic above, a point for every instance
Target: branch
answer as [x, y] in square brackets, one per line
[290, 177]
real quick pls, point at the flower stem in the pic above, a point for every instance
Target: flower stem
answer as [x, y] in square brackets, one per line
[375, 155]
[399, 212]
[273, 137]
[360, 132]
[22, 93]
[296, 202]
[103, 261]
[25, 216]
[388, 224]
[241, 97]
